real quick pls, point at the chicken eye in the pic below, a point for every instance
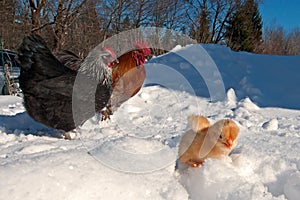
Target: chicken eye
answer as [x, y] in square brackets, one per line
[220, 137]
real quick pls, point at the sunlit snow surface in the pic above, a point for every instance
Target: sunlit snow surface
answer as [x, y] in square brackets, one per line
[133, 155]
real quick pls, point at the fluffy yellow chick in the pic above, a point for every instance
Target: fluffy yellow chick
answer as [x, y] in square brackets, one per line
[205, 141]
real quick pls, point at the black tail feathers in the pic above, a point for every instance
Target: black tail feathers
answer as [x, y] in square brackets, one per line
[31, 47]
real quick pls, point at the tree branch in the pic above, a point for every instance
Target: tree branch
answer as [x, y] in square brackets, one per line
[42, 26]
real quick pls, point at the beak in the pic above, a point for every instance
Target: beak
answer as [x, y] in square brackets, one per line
[228, 143]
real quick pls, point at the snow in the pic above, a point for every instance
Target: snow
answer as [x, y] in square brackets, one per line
[271, 125]
[270, 81]
[133, 156]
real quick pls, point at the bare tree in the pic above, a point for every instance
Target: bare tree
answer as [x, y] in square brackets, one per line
[52, 15]
[66, 12]
[292, 41]
[222, 11]
[277, 41]
[36, 7]
[274, 41]
[84, 33]
[10, 24]
[111, 13]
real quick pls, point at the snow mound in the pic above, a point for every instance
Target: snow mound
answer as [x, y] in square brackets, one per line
[176, 48]
[271, 125]
[225, 179]
[248, 104]
[231, 97]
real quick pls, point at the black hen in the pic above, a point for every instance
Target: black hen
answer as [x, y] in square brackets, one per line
[63, 97]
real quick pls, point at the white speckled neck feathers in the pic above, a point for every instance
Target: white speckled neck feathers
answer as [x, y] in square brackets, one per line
[95, 66]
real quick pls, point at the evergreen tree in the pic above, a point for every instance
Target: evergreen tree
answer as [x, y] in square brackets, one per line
[201, 32]
[203, 28]
[244, 28]
[126, 25]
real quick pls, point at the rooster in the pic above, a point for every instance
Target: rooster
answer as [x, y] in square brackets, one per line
[47, 83]
[206, 141]
[128, 76]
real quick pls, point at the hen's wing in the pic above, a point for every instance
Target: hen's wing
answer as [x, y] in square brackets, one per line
[69, 59]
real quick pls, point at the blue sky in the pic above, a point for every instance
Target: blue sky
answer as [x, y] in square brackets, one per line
[283, 12]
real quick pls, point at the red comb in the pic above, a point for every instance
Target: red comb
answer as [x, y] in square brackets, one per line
[144, 46]
[110, 49]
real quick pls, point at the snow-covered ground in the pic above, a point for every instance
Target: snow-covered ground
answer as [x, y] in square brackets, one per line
[133, 155]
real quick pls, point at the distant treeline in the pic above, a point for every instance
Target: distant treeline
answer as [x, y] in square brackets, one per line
[79, 25]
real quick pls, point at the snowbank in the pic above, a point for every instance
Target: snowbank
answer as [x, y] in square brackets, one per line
[270, 81]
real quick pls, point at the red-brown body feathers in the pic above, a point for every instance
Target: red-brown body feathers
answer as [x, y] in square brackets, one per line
[128, 76]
